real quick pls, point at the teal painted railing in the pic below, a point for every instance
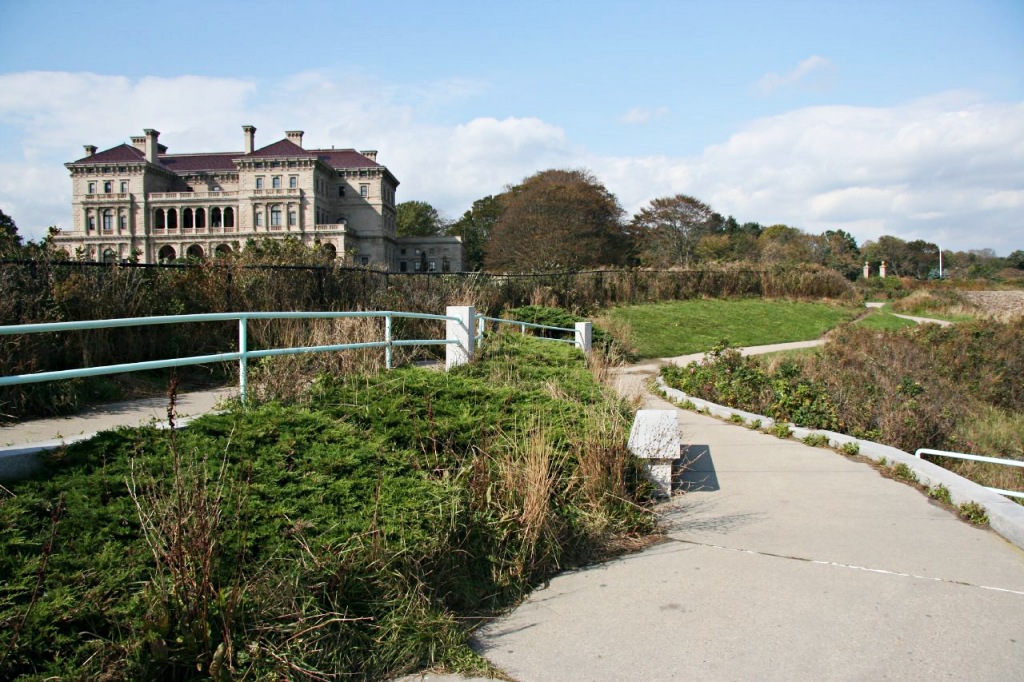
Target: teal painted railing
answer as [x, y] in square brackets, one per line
[244, 354]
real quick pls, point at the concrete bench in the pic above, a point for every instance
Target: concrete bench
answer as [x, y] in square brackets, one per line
[654, 437]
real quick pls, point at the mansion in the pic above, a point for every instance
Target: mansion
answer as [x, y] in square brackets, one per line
[137, 201]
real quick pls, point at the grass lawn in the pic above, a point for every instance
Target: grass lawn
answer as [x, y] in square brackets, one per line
[680, 327]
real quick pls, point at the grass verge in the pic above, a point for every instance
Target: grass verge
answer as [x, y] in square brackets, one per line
[679, 328]
[359, 533]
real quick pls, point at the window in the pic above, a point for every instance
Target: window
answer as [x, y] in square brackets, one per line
[293, 181]
[416, 266]
[108, 186]
[108, 220]
[92, 188]
[259, 182]
[124, 187]
[229, 217]
[90, 223]
[364, 190]
[122, 222]
[275, 216]
[109, 257]
[364, 260]
[403, 252]
[259, 218]
[403, 267]
[292, 218]
[341, 190]
[275, 182]
[432, 266]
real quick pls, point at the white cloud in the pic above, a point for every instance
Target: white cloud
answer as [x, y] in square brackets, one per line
[814, 73]
[640, 115]
[949, 168]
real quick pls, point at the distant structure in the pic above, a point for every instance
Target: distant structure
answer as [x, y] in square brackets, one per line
[137, 201]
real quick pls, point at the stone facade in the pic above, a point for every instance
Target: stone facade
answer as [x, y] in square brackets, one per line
[138, 201]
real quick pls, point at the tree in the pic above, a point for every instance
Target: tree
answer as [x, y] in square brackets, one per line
[417, 219]
[10, 240]
[785, 245]
[557, 220]
[1015, 260]
[475, 228]
[840, 253]
[668, 231]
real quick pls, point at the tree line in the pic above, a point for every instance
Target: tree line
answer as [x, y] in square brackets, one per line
[567, 220]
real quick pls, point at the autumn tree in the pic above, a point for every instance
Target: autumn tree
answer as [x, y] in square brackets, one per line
[668, 231]
[417, 219]
[475, 227]
[785, 245]
[557, 220]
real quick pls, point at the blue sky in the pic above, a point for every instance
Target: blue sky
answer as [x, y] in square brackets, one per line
[902, 118]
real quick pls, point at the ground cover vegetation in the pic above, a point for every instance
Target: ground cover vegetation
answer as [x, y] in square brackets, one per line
[358, 532]
[955, 388]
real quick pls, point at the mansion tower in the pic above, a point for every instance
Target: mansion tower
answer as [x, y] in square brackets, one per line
[138, 201]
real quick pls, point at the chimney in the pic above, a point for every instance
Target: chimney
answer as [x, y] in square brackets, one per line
[250, 138]
[139, 142]
[371, 154]
[90, 149]
[151, 144]
[294, 136]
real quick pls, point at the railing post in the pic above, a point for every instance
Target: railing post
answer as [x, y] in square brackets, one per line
[584, 334]
[480, 327]
[243, 359]
[462, 333]
[387, 340]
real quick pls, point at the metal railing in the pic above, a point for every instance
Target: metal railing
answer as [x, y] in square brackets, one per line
[482, 320]
[242, 355]
[976, 458]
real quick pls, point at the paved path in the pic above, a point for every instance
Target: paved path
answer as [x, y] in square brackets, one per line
[105, 417]
[785, 563]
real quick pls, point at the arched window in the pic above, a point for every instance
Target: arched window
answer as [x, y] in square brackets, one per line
[159, 220]
[214, 217]
[194, 251]
[172, 219]
[108, 220]
[187, 219]
[223, 251]
[229, 217]
[200, 217]
[330, 251]
[109, 256]
[166, 254]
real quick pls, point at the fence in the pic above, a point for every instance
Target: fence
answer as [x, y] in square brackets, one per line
[976, 458]
[460, 339]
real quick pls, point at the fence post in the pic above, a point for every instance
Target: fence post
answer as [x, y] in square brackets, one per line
[584, 333]
[462, 332]
[243, 359]
[387, 340]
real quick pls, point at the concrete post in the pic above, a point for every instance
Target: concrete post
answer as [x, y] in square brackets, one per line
[881, 270]
[584, 333]
[463, 332]
[867, 270]
[655, 439]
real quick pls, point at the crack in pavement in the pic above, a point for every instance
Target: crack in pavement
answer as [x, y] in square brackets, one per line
[848, 566]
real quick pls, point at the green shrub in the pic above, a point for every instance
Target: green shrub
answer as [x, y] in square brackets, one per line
[973, 513]
[850, 449]
[940, 493]
[816, 440]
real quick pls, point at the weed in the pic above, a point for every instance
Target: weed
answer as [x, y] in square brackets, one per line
[974, 513]
[816, 440]
[781, 430]
[755, 424]
[901, 472]
[940, 493]
[737, 419]
[883, 461]
[850, 449]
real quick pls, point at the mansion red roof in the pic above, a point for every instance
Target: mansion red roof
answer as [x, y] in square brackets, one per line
[224, 161]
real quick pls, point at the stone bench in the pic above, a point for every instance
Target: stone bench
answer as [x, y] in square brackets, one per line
[654, 437]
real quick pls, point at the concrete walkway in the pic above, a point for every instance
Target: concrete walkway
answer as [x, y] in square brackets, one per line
[785, 562]
[105, 417]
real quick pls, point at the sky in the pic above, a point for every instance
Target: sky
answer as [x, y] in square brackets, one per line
[876, 117]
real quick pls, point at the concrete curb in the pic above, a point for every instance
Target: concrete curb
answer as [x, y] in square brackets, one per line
[1005, 517]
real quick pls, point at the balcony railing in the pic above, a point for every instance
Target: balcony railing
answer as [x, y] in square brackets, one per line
[109, 196]
[332, 227]
[189, 196]
[278, 191]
